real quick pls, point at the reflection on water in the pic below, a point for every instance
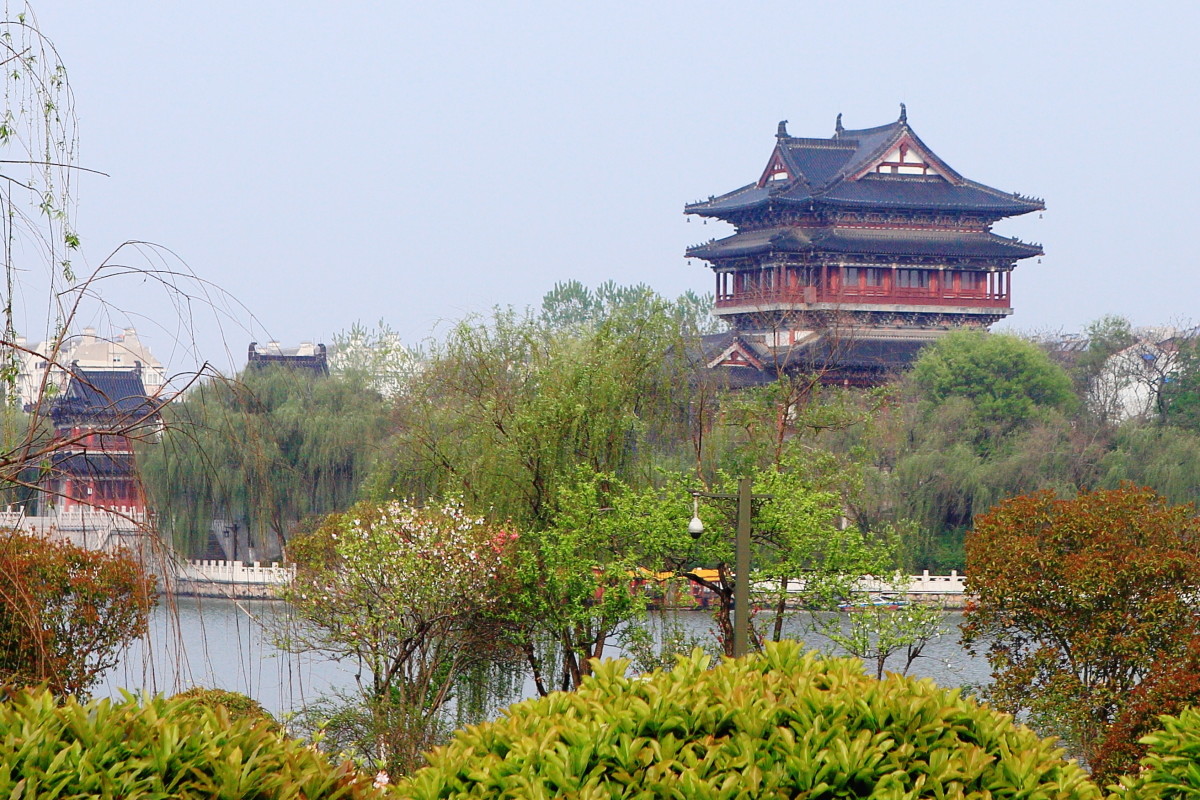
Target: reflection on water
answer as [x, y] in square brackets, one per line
[228, 644]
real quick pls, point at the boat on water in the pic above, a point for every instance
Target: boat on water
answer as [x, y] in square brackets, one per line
[872, 603]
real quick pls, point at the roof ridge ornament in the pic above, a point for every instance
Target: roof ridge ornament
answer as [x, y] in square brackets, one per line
[781, 131]
[838, 130]
[903, 114]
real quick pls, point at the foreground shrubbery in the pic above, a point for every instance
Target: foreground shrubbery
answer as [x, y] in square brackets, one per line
[236, 705]
[156, 748]
[780, 724]
[1171, 768]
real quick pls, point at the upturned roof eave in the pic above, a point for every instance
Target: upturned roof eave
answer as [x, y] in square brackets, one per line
[1014, 206]
[1008, 203]
[786, 242]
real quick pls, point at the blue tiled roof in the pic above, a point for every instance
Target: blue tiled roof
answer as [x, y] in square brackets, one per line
[103, 395]
[861, 354]
[824, 174]
[920, 192]
[886, 241]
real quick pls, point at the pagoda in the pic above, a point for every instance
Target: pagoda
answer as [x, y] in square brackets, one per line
[853, 252]
[96, 421]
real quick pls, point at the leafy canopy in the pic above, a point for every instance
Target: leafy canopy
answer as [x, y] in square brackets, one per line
[1077, 599]
[1007, 379]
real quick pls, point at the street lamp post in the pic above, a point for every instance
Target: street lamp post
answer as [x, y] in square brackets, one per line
[741, 586]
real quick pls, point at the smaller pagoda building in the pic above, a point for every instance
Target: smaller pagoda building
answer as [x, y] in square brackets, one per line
[307, 357]
[853, 252]
[96, 421]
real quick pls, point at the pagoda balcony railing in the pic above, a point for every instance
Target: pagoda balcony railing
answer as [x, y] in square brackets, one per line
[810, 295]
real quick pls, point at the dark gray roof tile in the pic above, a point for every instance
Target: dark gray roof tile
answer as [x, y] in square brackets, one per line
[826, 177]
[885, 241]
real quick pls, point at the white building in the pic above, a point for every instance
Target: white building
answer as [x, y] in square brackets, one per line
[1130, 384]
[124, 351]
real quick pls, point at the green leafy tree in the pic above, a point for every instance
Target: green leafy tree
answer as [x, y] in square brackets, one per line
[592, 574]
[1007, 380]
[571, 305]
[66, 613]
[1164, 457]
[507, 409]
[1077, 599]
[414, 598]
[1180, 394]
[875, 633]
[549, 423]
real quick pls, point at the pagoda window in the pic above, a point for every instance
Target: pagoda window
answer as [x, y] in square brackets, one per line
[806, 276]
[970, 281]
[850, 277]
[912, 278]
[873, 275]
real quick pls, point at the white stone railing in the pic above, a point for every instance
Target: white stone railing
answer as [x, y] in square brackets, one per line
[924, 583]
[235, 572]
[937, 584]
[916, 584]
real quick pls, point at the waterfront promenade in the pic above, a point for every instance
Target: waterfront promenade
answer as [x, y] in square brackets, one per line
[99, 529]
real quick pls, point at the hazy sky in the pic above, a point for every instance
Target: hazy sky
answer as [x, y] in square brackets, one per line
[416, 162]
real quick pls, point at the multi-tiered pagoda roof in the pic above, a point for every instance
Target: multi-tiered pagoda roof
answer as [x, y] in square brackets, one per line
[868, 232]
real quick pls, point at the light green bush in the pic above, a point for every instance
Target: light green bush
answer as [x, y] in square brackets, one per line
[237, 705]
[154, 748]
[779, 724]
[1171, 768]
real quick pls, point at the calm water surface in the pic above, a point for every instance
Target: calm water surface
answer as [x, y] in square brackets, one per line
[228, 644]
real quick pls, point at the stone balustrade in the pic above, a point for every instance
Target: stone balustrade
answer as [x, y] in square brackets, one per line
[236, 572]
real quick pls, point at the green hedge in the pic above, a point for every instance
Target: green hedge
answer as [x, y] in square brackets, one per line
[152, 748]
[779, 724]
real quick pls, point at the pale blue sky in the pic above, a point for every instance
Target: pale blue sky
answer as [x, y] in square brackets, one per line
[414, 162]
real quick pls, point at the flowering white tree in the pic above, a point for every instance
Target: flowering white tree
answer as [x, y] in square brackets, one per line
[410, 595]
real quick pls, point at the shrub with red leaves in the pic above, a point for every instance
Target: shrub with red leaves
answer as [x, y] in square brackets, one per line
[66, 612]
[1168, 689]
[1078, 600]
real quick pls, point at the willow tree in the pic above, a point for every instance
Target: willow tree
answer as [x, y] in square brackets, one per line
[38, 164]
[263, 452]
[39, 249]
[507, 408]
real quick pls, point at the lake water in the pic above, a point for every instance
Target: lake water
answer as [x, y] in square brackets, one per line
[228, 644]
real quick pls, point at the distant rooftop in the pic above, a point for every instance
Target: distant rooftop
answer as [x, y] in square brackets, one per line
[306, 356]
